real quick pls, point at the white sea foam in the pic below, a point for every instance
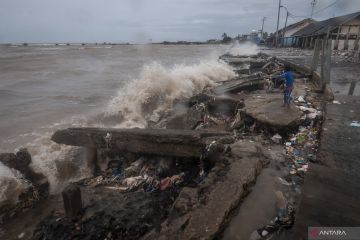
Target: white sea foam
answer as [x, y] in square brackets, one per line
[12, 184]
[246, 48]
[157, 88]
[45, 153]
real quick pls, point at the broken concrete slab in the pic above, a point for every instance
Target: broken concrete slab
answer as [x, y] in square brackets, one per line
[202, 214]
[188, 120]
[225, 104]
[267, 109]
[238, 85]
[165, 142]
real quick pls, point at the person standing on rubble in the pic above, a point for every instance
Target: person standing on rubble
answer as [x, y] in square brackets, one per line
[288, 78]
[289, 83]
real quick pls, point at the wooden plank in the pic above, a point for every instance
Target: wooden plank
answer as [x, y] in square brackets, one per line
[165, 142]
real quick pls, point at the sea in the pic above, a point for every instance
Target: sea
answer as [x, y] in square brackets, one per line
[47, 87]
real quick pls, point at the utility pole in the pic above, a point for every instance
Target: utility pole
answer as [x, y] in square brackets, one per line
[287, 15]
[313, 3]
[262, 27]
[277, 26]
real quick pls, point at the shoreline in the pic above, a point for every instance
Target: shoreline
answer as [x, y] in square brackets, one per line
[203, 209]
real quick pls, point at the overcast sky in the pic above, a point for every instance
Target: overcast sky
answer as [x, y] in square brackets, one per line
[140, 20]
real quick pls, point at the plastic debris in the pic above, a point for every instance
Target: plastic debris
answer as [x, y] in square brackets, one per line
[276, 138]
[307, 109]
[355, 124]
[301, 99]
[336, 102]
[283, 181]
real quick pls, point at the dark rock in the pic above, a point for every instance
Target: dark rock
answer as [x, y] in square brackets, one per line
[188, 120]
[111, 215]
[8, 159]
[186, 200]
[21, 161]
[23, 158]
[199, 98]
[72, 200]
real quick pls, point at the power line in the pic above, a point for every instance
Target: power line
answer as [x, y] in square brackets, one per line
[326, 7]
[316, 12]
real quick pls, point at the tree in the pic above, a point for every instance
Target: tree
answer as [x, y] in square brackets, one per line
[225, 38]
[265, 35]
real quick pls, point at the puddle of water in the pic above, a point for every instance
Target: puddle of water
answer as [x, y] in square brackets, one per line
[258, 208]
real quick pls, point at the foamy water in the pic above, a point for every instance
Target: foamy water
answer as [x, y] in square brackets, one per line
[246, 48]
[158, 87]
[66, 86]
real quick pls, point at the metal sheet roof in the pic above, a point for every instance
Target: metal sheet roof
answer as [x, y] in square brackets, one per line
[322, 27]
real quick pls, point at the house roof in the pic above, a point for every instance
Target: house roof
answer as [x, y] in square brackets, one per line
[297, 24]
[317, 28]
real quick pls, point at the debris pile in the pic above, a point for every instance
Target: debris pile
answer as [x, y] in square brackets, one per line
[299, 148]
[346, 56]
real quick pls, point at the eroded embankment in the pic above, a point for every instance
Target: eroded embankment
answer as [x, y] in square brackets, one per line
[185, 175]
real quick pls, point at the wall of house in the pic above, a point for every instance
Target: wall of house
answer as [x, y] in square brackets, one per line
[353, 29]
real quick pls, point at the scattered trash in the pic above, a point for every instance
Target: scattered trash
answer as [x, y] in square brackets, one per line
[284, 182]
[336, 102]
[301, 99]
[300, 138]
[284, 219]
[276, 138]
[307, 109]
[355, 124]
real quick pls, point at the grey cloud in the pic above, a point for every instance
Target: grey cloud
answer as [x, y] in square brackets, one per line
[138, 20]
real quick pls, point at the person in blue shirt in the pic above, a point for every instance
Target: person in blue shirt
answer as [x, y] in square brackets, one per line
[288, 79]
[289, 84]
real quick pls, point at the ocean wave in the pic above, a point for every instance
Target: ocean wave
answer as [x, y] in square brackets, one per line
[146, 97]
[158, 87]
[247, 48]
